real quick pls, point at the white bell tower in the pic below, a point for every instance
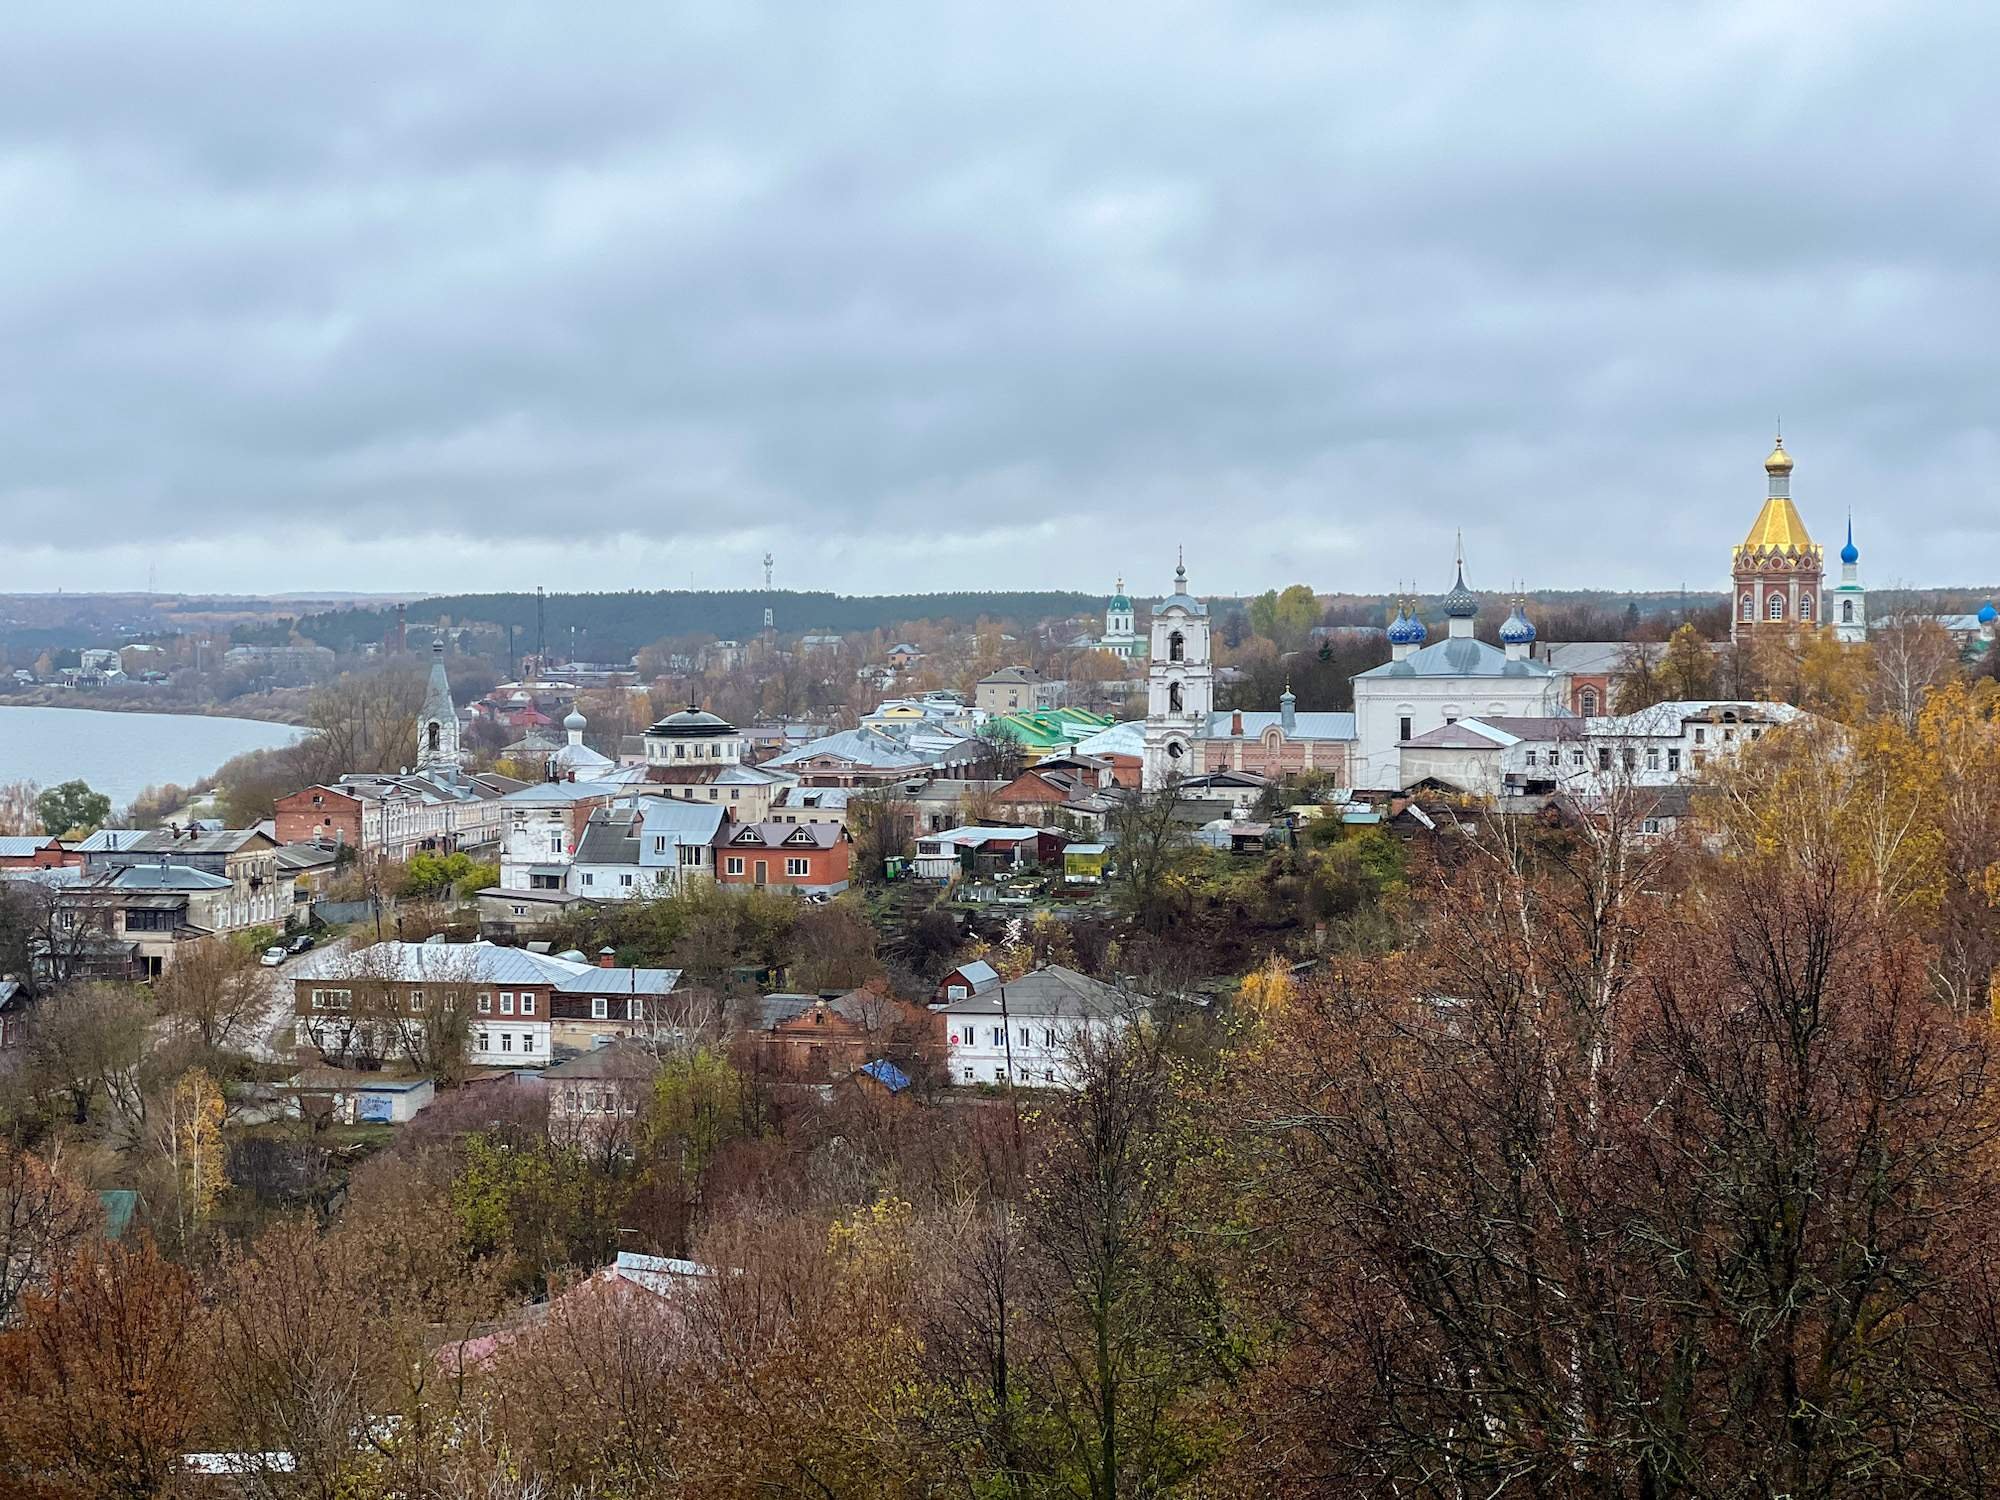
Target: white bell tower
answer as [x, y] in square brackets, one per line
[1180, 684]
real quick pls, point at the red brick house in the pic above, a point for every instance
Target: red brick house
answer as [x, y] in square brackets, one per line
[821, 1039]
[812, 858]
[37, 852]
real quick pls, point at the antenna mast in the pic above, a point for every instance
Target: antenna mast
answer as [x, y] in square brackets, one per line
[767, 569]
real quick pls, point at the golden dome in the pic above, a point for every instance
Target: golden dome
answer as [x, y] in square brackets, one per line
[1780, 462]
[1778, 529]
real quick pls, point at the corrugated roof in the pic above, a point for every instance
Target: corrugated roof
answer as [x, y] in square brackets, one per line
[1305, 726]
[23, 845]
[1055, 991]
[1458, 656]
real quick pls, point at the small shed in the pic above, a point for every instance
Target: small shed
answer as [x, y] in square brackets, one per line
[1083, 864]
[347, 1096]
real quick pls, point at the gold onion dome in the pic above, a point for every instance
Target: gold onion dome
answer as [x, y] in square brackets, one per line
[1780, 462]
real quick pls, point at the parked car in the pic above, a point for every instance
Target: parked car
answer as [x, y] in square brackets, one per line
[300, 943]
[272, 957]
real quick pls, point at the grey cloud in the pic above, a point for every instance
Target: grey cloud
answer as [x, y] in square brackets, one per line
[953, 294]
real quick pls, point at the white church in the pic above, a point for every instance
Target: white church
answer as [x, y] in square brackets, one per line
[1427, 684]
[1423, 686]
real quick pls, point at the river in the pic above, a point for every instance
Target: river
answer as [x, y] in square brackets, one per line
[121, 755]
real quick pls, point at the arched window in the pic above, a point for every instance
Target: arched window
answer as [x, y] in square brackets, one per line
[1174, 750]
[1749, 607]
[1805, 607]
[431, 734]
[1174, 696]
[1777, 606]
[1847, 611]
[1586, 702]
[1176, 647]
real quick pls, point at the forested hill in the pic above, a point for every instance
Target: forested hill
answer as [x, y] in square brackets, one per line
[616, 625]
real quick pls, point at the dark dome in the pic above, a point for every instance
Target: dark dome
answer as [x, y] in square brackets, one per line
[692, 723]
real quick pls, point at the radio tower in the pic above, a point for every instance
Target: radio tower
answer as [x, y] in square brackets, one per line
[767, 569]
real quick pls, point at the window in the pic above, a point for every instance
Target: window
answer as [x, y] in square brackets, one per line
[1586, 702]
[485, 1042]
[506, 1041]
[1576, 759]
[1531, 759]
[1650, 825]
[1749, 607]
[555, 843]
[527, 1041]
[624, 880]
[520, 911]
[1403, 727]
[1847, 611]
[1177, 647]
[733, 865]
[588, 878]
[634, 1009]
[506, 1003]
[1756, 734]
[1048, 1036]
[968, 1075]
[1805, 606]
[1652, 758]
[1700, 735]
[956, 992]
[1173, 697]
[330, 999]
[417, 1000]
[1024, 1037]
[796, 867]
[600, 1009]
[485, 1004]
[659, 843]
[1673, 758]
[1777, 606]
[999, 1037]
[999, 1075]
[527, 1005]
[1629, 759]
[1603, 758]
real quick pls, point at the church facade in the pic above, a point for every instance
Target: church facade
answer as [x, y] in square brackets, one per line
[1426, 685]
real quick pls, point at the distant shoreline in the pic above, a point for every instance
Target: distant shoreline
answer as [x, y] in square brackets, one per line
[77, 701]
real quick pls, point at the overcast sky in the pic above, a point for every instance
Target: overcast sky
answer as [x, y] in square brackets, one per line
[926, 295]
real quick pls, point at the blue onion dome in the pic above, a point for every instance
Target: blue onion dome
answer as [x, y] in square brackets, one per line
[1413, 628]
[1399, 628]
[1517, 631]
[1850, 554]
[1987, 613]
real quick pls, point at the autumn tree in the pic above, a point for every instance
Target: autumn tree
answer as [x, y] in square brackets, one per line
[46, 1216]
[215, 990]
[1687, 671]
[1285, 619]
[106, 1378]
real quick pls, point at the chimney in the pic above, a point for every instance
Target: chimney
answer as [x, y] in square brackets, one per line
[1236, 724]
[606, 957]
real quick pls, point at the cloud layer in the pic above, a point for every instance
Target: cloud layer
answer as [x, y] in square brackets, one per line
[931, 296]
